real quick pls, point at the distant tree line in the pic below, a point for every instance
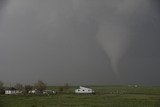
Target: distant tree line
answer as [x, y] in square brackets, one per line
[39, 85]
[1, 87]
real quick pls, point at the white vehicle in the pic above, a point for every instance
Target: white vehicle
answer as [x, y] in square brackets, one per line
[48, 92]
[84, 90]
[33, 91]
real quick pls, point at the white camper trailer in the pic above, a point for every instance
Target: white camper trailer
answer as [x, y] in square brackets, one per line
[84, 90]
[12, 91]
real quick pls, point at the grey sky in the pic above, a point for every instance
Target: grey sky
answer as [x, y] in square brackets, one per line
[80, 41]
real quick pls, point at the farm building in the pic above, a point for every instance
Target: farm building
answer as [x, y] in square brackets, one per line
[84, 90]
[12, 90]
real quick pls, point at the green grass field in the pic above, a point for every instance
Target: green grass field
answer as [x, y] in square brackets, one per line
[106, 96]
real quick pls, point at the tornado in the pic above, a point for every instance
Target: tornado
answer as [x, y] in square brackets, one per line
[114, 33]
[115, 40]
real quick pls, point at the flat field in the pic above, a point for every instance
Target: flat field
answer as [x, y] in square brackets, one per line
[106, 96]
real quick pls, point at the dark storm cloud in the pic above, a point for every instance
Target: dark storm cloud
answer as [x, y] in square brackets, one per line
[80, 41]
[2, 3]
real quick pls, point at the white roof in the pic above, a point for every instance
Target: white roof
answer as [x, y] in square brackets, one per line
[83, 87]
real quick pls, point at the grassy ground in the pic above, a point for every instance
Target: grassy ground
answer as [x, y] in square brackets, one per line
[106, 96]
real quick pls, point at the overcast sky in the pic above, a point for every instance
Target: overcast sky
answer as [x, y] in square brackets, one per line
[80, 42]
